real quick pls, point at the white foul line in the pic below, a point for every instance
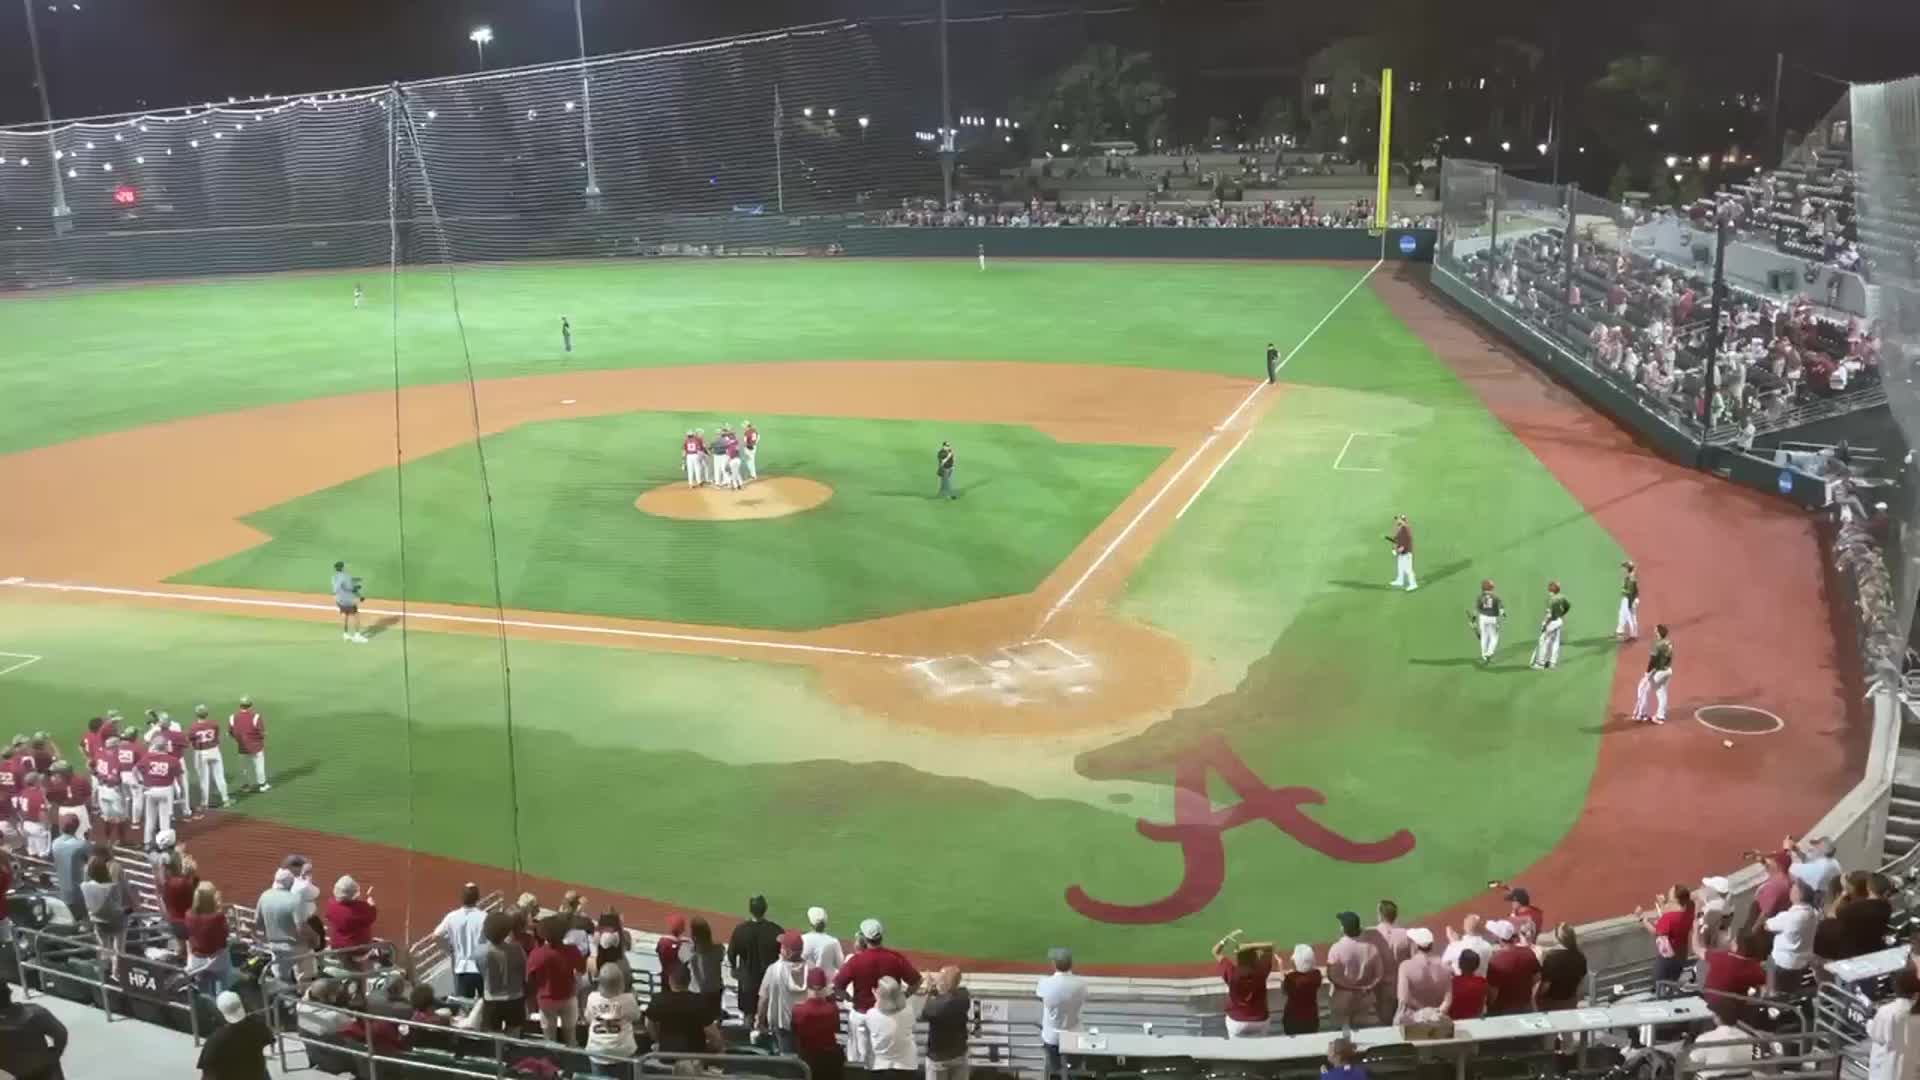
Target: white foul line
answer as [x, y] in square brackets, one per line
[1067, 596]
[435, 616]
[1191, 499]
[23, 658]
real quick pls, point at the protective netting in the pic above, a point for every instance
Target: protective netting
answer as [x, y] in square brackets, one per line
[1886, 158]
[715, 147]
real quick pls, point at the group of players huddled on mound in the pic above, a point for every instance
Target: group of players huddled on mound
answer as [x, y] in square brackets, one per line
[1488, 612]
[719, 463]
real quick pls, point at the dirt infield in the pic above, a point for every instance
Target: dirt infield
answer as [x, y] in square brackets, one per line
[771, 497]
[1026, 663]
[1721, 565]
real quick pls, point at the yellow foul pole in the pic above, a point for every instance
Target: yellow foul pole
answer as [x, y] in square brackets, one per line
[1386, 144]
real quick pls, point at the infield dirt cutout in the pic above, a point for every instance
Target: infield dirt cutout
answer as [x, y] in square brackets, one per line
[767, 497]
[992, 667]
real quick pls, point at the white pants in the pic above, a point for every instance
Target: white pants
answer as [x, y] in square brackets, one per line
[859, 1039]
[39, 840]
[693, 470]
[113, 804]
[983, 262]
[82, 813]
[210, 769]
[753, 471]
[1247, 1029]
[259, 767]
[733, 472]
[1629, 622]
[1657, 682]
[1489, 636]
[1403, 570]
[135, 795]
[183, 794]
[713, 468]
[1547, 650]
[158, 814]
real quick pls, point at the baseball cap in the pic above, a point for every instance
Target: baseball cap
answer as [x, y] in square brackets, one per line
[1501, 929]
[790, 939]
[816, 979]
[165, 838]
[1420, 936]
[1718, 884]
[816, 915]
[232, 1009]
[1349, 923]
[1519, 896]
[871, 929]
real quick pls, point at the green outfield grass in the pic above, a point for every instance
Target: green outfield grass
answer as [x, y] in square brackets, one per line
[734, 777]
[571, 540]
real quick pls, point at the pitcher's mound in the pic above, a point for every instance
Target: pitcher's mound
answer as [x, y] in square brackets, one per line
[769, 497]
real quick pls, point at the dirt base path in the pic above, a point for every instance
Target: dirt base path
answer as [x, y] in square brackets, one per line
[1738, 576]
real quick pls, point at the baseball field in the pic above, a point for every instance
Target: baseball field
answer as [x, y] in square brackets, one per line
[1143, 682]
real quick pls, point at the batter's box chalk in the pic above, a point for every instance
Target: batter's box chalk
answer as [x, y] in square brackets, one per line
[1045, 656]
[954, 674]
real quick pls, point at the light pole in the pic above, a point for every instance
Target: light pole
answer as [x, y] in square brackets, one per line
[586, 102]
[62, 213]
[482, 36]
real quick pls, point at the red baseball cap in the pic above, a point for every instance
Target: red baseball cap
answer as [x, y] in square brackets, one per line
[790, 940]
[816, 979]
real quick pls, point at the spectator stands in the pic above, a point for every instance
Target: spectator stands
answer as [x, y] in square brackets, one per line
[979, 212]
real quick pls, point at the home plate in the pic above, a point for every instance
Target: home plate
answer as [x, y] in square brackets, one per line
[1002, 664]
[1079, 689]
[566, 401]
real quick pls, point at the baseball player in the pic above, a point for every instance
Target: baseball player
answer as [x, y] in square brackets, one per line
[733, 461]
[107, 789]
[715, 450]
[1273, 362]
[203, 735]
[359, 294]
[71, 794]
[1402, 541]
[1659, 674]
[30, 803]
[126, 761]
[249, 731]
[165, 737]
[1546, 651]
[696, 451]
[943, 467]
[749, 443]
[1488, 613]
[982, 249]
[566, 334]
[1628, 626]
[159, 773]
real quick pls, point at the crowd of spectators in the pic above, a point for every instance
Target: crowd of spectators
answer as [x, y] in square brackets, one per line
[1805, 208]
[1646, 325]
[976, 212]
[568, 983]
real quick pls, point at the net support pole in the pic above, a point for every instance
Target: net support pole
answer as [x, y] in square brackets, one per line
[1567, 244]
[586, 103]
[946, 117]
[1385, 167]
[1775, 154]
[1720, 239]
[779, 168]
[62, 213]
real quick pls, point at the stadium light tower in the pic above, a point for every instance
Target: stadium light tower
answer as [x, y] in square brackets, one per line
[481, 36]
[62, 213]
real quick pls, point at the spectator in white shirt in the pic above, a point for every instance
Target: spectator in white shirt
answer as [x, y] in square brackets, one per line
[610, 1016]
[1725, 1051]
[1890, 1053]
[819, 948]
[890, 1027]
[461, 931]
[1792, 956]
[1467, 937]
[1062, 995]
[1814, 864]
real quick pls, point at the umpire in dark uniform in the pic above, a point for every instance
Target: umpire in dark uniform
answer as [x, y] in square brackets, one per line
[1273, 361]
[943, 465]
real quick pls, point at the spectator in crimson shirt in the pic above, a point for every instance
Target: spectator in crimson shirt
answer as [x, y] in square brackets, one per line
[350, 917]
[1775, 893]
[667, 948]
[1529, 922]
[816, 1029]
[553, 971]
[1738, 973]
[1245, 968]
[1468, 998]
[864, 969]
[1671, 924]
[179, 877]
[1300, 993]
[1513, 970]
[208, 960]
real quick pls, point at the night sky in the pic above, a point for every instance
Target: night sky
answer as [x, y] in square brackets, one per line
[1221, 55]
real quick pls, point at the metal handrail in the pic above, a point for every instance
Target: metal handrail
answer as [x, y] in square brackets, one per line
[88, 944]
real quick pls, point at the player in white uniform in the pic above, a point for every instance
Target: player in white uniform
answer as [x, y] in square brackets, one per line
[714, 454]
[694, 453]
[1402, 541]
[359, 294]
[983, 258]
[1488, 612]
[732, 461]
[1546, 651]
[1628, 626]
[749, 447]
